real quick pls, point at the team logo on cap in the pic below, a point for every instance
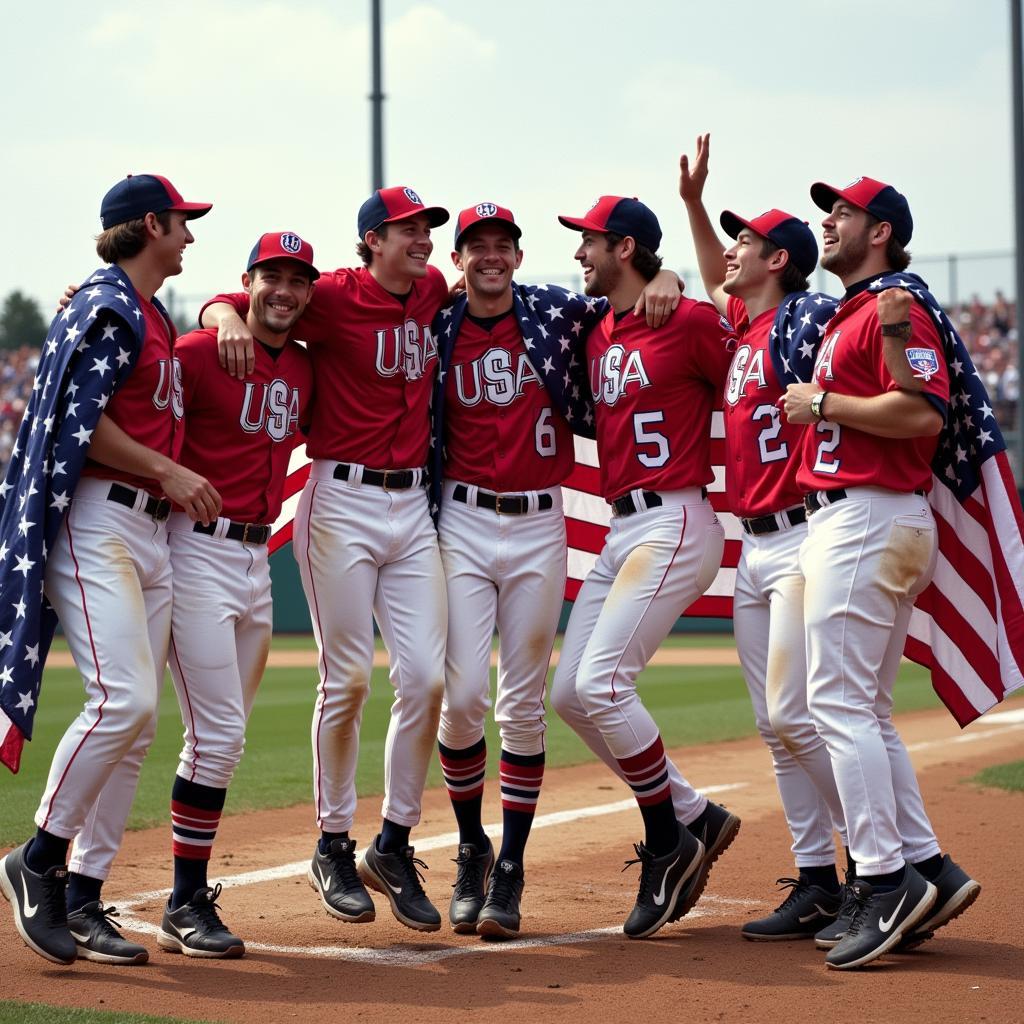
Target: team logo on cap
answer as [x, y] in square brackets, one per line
[486, 210]
[924, 362]
[290, 242]
[412, 197]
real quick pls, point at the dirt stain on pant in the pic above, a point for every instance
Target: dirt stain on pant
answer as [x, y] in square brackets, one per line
[906, 558]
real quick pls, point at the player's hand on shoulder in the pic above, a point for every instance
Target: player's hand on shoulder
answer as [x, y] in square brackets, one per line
[65, 300]
[796, 402]
[194, 493]
[659, 298]
[693, 175]
[235, 347]
[893, 306]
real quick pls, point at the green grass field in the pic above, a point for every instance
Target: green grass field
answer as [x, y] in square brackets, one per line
[38, 1013]
[1003, 776]
[692, 705]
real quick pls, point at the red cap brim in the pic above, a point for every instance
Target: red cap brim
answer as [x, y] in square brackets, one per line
[581, 224]
[193, 210]
[436, 215]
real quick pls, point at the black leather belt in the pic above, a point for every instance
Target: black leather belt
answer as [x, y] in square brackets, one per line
[503, 504]
[389, 479]
[247, 533]
[158, 508]
[770, 524]
[626, 506]
[817, 500]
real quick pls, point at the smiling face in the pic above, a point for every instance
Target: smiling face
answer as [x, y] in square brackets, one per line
[401, 252]
[169, 244]
[846, 239]
[746, 270]
[602, 270]
[488, 257]
[278, 293]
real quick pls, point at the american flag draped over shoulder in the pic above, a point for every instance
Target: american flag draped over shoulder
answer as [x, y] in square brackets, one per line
[968, 626]
[89, 351]
[797, 331]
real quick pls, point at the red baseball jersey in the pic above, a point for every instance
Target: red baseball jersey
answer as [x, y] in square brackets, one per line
[762, 448]
[240, 434]
[503, 433]
[148, 404]
[654, 391]
[850, 362]
[374, 358]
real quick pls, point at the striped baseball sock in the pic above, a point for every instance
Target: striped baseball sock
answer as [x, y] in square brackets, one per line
[521, 777]
[647, 775]
[463, 772]
[195, 815]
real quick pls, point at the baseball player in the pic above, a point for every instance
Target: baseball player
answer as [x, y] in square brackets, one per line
[364, 539]
[94, 490]
[508, 417]
[653, 393]
[870, 550]
[760, 285]
[239, 435]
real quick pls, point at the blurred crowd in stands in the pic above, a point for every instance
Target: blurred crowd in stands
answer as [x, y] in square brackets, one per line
[989, 330]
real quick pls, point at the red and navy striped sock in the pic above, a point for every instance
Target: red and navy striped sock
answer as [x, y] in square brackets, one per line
[647, 775]
[463, 772]
[521, 777]
[195, 815]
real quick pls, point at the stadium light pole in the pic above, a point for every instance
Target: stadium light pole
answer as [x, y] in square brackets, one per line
[1017, 70]
[376, 98]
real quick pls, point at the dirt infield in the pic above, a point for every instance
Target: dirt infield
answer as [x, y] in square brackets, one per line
[573, 961]
[308, 658]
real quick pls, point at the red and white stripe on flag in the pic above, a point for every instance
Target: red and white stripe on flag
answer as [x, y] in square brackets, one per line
[968, 626]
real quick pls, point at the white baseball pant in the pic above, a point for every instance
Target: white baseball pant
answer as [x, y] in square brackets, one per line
[654, 564]
[109, 579]
[865, 560]
[220, 637]
[768, 618]
[362, 548]
[504, 571]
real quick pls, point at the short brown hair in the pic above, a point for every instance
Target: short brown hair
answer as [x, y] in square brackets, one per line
[645, 262]
[123, 241]
[792, 278]
[895, 255]
[364, 252]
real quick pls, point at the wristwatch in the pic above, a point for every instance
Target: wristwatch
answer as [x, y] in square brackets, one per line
[903, 330]
[817, 401]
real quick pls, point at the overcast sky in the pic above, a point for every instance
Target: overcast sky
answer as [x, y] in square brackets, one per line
[541, 105]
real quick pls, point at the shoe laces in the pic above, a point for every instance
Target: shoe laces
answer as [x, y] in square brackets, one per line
[645, 859]
[104, 919]
[410, 867]
[54, 898]
[206, 907]
[503, 889]
[343, 866]
[847, 902]
[469, 879]
[797, 887]
[860, 900]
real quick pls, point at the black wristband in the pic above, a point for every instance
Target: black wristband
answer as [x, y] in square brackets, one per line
[903, 329]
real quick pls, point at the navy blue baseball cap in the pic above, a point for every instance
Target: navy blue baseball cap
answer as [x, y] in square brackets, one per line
[781, 229]
[875, 197]
[138, 194]
[388, 204]
[620, 216]
[283, 245]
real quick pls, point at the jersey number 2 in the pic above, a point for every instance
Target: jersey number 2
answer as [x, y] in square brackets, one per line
[823, 461]
[770, 434]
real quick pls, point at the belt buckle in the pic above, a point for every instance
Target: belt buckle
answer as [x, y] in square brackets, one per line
[388, 473]
[245, 533]
[498, 500]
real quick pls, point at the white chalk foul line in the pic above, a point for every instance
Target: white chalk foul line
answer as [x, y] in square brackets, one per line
[298, 867]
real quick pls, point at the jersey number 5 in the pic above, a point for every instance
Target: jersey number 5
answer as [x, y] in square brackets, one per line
[641, 421]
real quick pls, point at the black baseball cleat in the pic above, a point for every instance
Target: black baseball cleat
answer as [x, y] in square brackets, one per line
[473, 869]
[661, 881]
[500, 917]
[717, 829]
[881, 920]
[799, 916]
[196, 929]
[396, 875]
[39, 906]
[336, 881]
[956, 892]
[98, 937]
[828, 936]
